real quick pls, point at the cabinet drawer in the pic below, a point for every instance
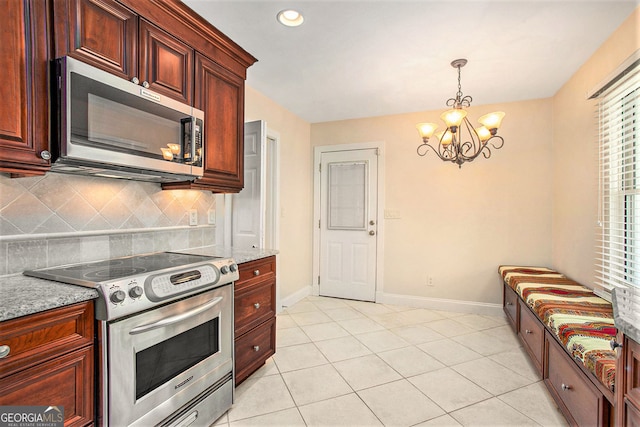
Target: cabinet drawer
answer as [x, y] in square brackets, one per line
[254, 348]
[39, 337]
[255, 271]
[65, 381]
[532, 335]
[564, 379]
[511, 306]
[253, 306]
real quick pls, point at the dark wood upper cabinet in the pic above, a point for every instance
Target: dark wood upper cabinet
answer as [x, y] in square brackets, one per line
[165, 63]
[160, 43]
[102, 33]
[24, 110]
[220, 94]
[112, 37]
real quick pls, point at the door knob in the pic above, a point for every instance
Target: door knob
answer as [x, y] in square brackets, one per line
[372, 222]
[372, 233]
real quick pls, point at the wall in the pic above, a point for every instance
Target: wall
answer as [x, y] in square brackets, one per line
[575, 155]
[459, 225]
[296, 188]
[57, 219]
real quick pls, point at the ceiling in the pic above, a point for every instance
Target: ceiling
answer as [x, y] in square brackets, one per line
[364, 58]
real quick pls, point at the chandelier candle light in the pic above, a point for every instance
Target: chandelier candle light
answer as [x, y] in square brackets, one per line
[452, 146]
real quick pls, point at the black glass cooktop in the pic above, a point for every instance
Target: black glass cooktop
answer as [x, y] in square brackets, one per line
[117, 268]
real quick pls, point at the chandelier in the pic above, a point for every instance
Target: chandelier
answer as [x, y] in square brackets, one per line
[453, 146]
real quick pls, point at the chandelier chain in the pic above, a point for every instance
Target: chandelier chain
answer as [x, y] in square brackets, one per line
[459, 94]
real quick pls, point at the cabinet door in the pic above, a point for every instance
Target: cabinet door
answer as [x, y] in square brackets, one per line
[24, 108]
[165, 63]
[220, 94]
[102, 33]
[65, 381]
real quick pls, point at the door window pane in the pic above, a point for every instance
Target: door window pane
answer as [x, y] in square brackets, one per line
[347, 196]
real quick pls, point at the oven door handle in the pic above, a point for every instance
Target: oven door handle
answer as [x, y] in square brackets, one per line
[175, 319]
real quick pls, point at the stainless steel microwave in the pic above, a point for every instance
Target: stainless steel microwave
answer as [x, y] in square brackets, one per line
[110, 127]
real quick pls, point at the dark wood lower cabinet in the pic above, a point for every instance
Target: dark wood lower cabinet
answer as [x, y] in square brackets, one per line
[255, 316]
[51, 362]
[628, 383]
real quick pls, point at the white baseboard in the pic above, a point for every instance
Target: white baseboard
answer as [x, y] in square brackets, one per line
[441, 304]
[290, 300]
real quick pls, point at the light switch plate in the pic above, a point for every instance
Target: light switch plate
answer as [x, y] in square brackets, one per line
[392, 214]
[211, 217]
[193, 217]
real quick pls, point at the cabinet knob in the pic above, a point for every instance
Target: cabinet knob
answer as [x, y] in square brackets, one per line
[566, 387]
[614, 344]
[372, 233]
[145, 84]
[256, 305]
[135, 80]
[527, 331]
[4, 351]
[509, 303]
[256, 348]
[45, 155]
[256, 272]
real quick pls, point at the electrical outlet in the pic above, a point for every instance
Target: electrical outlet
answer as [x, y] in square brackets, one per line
[211, 216]
[193, 217]
[430, 281]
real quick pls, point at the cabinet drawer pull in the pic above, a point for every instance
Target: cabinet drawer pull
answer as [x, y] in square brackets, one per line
[527, 331]
[509, 303]
[4, 351]
[256, 348]
[256, 305]
[566, 387]
[614, 344]
[256, 272]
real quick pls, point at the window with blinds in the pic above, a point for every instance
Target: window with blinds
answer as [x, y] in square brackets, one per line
[618, 246]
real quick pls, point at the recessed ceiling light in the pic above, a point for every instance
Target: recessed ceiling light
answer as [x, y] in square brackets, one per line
[290, 18]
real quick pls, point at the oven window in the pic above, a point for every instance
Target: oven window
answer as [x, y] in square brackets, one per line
[160, 363]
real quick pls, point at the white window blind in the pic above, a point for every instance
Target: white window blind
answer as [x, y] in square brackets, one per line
[618, 246]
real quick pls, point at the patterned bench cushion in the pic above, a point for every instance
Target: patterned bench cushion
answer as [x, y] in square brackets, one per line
[582, 321]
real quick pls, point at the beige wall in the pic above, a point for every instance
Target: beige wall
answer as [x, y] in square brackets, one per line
[575, 155]
[533, 202]
[458, 225]
[296, 201]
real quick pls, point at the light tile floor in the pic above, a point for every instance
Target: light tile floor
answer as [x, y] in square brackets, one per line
[351, 363]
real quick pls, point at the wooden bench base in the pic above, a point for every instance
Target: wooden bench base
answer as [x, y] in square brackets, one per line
[581, 399]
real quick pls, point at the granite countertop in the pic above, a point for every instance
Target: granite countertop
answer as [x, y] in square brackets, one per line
[22, 295]
[626, 315]
[239, 255]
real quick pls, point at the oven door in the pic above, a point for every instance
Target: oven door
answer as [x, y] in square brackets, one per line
[159, 360]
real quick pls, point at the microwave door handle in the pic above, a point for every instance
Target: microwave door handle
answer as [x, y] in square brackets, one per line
[194, 150]
[175, 319]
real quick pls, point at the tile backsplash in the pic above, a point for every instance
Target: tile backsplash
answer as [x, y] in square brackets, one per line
[57, 219]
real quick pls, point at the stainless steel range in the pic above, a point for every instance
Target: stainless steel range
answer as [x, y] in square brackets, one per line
[166, 336]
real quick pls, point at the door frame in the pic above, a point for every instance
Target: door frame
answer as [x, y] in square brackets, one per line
[317, 153]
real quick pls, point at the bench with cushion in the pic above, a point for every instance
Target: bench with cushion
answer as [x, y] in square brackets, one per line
[566, 330]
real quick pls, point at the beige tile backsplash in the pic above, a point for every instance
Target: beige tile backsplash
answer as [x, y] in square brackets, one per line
[58, 219]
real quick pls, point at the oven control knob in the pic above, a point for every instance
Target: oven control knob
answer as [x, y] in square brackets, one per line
[233, 268]
[224, 269]
[117, 297]
[135, 292]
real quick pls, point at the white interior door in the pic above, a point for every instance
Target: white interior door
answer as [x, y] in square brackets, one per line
[348, 224]
[249, 204]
